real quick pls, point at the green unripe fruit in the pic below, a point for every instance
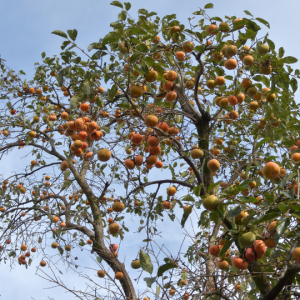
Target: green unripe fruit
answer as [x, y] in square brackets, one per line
[54, 245]
[122, 47]
[252, 91]
[196, 153]
[247, 239]
[210, 202]
[136, 264]
[263, 49]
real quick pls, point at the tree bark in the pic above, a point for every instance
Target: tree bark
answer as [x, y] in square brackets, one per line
[288, 277]
[98, 239]
[203, 143]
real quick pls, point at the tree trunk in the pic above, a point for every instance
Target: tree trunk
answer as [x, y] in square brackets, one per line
[203, 143]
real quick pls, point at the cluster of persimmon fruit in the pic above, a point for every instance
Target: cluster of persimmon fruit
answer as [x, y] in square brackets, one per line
[22, 257]
[253, 249]
[135, 264]
[259, 98]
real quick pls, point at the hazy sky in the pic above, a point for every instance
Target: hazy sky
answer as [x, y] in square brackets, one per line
[25, 33]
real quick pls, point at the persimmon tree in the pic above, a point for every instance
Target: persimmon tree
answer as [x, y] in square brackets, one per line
[208, 108]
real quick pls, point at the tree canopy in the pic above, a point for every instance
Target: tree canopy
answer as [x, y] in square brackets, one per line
[208, 109]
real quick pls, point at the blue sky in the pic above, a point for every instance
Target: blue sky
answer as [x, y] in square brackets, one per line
[27, 25]
[26, 28]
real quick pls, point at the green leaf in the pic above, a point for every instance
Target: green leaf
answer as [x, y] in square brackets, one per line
[197, 190]
[216, 19]
[185, 173]
[283, 208]
[281, 52]
[67, 174]
[271, 44]
[234, 212]
[12, 254]
[112, 92]
[149, 281]
[134, 57]
[96, 46]
[294, 84]
[43, 55]
[27, 140]
[248, 13]
[60, 77]
[142, 48]
[267, 217]
[146, 263]
[76, 60]
[289, 60]
[263, 141]
[186, 215]
[61, 250]
[204, 221]
[281, 228]
[284, 180]
[188, 198]
[214, 216]
[73, 103]
[86, 87]
[184, 274]
[72, 34]
[165, 268]
[170, 58]
[200, 49]
[226, 247]
[99, 259]
[139, 69]
[273, 85]
[289, 195]
[65, 44]
[197, 204]
[266, 81]
[157, 290]
[60, 33]
[122, 15]
[232, 191]
[127, 5]
[212, 186]
[106, 129]
[99, 102]
[263, 22]
[117, 3]
[208, 6]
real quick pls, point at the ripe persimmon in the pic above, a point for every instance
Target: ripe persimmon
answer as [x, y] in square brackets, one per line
[153, 141]
[84, 106]
[171, 96]
[238, 263]
[171, 191]
[104, 155]
[136, 138]
[159, 164]
[119, 275]
[151, 121]
[230, 64]
[212, 29]
[138, 160]
[154, 150]
[129, 164]
[180, 55]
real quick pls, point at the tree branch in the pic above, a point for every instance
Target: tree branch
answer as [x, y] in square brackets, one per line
[289, 275]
